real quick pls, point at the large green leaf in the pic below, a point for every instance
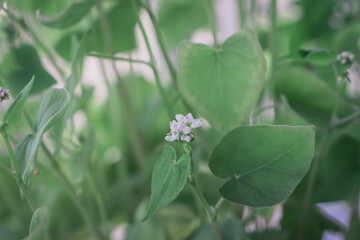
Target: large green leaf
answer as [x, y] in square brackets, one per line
[168, 179]
[39, 225]
[69, 16]
[264, 163]
[180, 18]
[223, 84]
[20, 64]
[51, 109]
[13, 114]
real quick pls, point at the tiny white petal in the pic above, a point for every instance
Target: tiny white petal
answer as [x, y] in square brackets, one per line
[189, 117]
[179, 118]
[168, 138]
[196, 123]
[186, 130]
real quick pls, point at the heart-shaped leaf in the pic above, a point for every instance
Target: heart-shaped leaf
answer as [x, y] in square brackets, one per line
[264, 163]
[39, 225]
[223, 84]
[69, 16]
[13, 114]
[51, 109]
[168, 179]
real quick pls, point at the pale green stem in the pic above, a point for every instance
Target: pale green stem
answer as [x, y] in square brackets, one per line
[212, 20]
[136, 143]
[210, 211]
[152, 61]
[94, 228]
[242, 13]
[106, 56]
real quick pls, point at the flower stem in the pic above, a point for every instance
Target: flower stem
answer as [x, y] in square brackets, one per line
[210, 211]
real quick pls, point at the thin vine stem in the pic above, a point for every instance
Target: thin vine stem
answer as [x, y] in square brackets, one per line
[130, 60]
[310, 184]
[212, 19]
[94, 228]
[210, 211]
[152, 61]
[136, 143]
[161, 41]
[38, 40]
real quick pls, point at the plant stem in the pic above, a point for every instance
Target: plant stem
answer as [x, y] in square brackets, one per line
[106, 56]
[37, 39]
[152, 61]
[346, 119]
[242, 13]
[310, 184]
[136, 143]
[17, 176]
[161, 42]
[211, 16]
[273, 48]
[210, 211]
[72, 194]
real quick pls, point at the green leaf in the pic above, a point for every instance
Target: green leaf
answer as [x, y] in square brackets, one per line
[264, 163]
[13, 114]
[69, 16]
[309, 95]
[224, 84]
[314, 56]
[39, 225]
[121, 21]
[51, 109]
[20, 65]
[180, 18]
[146, 230]
[168, 179]
[25, 153]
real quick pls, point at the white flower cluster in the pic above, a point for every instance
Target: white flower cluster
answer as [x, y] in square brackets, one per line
[345, 58]
[4, 94]
[181, 128]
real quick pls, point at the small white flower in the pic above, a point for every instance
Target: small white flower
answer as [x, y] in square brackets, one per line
[182, 128]
[345, 58]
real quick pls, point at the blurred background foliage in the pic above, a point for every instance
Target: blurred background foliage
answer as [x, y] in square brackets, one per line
[115, 128]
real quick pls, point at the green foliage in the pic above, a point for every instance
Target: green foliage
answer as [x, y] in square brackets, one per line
[168, 179]
[233, 75]
[39, 225]
[21, 64]
[13, 114]
[302, 88]
[180, 18]
[69, 16]
[264, 163]
[121, 23]
[51, 109]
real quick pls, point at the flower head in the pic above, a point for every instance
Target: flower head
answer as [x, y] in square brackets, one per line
[182, 128]
[4, 94]
[345, 58]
